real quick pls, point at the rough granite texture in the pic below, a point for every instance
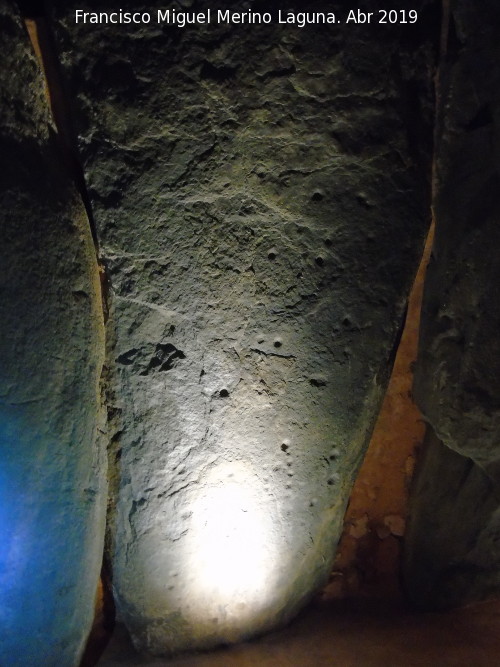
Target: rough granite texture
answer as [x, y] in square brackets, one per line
[52, 471]
[457, 377]
[261, 201]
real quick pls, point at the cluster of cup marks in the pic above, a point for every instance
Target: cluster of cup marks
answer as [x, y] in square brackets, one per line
[285, 447]
[332, 478]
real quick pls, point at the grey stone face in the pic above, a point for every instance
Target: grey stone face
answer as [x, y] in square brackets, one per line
[52, 470]
[457, 384]
[452, 541]
[457, 376]
[261, 201]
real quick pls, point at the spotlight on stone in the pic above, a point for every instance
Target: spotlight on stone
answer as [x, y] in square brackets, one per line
[231, 551]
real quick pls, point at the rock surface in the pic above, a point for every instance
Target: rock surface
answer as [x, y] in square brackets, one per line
[261, 199]
[52, 491]
[452, 541]
[459, 366]
[455, 504]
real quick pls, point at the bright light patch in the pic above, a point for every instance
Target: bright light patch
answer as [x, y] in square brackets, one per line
[232, 550]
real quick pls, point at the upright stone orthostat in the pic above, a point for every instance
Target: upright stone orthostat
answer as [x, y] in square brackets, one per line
[452, 553]
[52, 469]
[261, 198]
[452, 550]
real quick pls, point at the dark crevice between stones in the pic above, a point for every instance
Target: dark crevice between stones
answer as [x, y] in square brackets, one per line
[35, 16]
[449, 48]
[368, 563]
[37, 24]
[412, 97]
[434, 21]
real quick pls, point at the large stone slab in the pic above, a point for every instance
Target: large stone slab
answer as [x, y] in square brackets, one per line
[457, 373]
[261, 198]
[452, 547]
[52, 472]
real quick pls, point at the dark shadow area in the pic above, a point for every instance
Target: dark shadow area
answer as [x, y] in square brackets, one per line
[350, 634]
